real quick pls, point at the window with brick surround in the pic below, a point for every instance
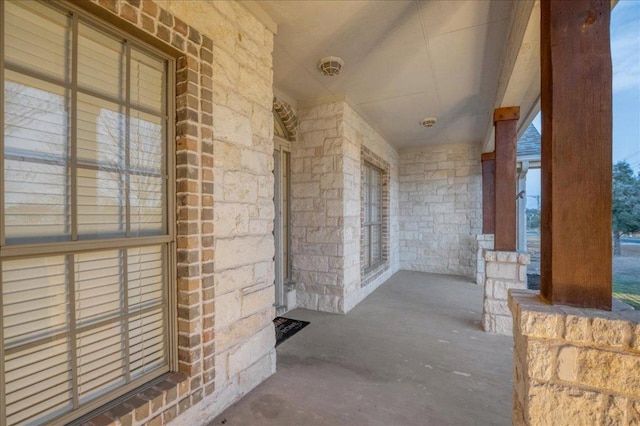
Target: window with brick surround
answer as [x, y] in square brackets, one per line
[372, 223]
[374, 215]
[86, 240]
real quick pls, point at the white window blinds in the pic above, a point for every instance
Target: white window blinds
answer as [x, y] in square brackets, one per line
[85, 244]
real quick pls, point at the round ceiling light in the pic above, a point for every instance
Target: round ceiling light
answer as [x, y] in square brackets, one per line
[428, 122]
[330, 65]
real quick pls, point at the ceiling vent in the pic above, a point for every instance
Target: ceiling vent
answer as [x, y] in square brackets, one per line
[428, 122]
[330, 65]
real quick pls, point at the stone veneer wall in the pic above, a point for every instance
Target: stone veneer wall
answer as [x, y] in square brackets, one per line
[440, 209]
[485, 242]
[325, 206]
[357, 134]
[574, 366]
[225, 213]
[505, 270]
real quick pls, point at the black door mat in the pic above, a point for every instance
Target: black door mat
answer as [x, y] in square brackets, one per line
[287, 327]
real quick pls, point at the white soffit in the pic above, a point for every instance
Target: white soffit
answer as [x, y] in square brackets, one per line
[404, 60]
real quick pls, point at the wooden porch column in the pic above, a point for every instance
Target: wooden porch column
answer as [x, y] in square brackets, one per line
[506, 122]
[488, 192]
[576, 153]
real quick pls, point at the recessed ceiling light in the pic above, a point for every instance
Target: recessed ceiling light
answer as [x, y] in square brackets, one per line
[428, 122]
[330, 65]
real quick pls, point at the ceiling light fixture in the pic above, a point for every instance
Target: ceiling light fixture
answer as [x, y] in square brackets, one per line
[330, 65]
[428, 122]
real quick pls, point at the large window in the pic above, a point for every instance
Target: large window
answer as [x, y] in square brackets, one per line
[372, 217]
[85, 237]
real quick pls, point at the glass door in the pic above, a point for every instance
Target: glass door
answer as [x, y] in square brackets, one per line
[281, 157]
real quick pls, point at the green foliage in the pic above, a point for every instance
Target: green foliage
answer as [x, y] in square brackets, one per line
[533, 219]
[626, 199]
[625, 203]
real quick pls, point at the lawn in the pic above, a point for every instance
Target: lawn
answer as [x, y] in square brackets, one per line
[628, 290]
[626, 275]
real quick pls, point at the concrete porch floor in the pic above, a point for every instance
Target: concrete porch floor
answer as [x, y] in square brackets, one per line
[412, 353]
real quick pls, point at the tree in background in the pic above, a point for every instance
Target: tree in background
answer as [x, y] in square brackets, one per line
[626, 203]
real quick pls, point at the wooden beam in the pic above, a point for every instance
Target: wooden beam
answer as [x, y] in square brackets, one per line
[488, 193]
[576, 153]
[506, 124]
[506, 114]
[488, 156]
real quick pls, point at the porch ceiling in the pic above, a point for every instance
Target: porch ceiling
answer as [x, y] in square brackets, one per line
[404, 60]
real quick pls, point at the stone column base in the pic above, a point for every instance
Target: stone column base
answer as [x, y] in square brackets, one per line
[504, 270]
[574, 366]
[485, 241]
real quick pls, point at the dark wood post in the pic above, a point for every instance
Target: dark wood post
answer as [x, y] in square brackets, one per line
[488, 192]
[506, 123]
[576, 153]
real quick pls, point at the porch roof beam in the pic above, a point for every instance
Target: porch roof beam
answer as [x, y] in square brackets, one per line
[506, 130]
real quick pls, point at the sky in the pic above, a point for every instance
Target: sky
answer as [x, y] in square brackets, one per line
[625, 55]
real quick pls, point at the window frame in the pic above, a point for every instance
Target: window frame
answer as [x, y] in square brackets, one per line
[92, 244]
[369, 169]
[283, 239]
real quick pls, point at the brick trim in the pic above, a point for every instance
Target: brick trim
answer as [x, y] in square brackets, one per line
[367, 156]
[288, 118]
[194, 211]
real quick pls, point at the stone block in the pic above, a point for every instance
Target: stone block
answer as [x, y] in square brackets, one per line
[540, 358]
[240, 187]
[230, 219]
[256, 162]
[506, 271]
[242, 329]
[305, 190]
[636, 337]
[522, 275]
[541, 324]
[488, 288]
[633, 413]
[311, 263]
[490, 255]
[227, 155]
[265, 271]
[222, 369]
[324, 235]
[333, 304]
[577, 329]
[507, 256]
[487, 322]
[503, 324]
[257, 300]
[567, 363]
[610, 371]
[307, 300]
[238, 251]
[230, 126]
[250, 351]
[227, 309]
[497, 307]
[257, 373]
[611, 332]
[524, 258]
[549, 404]
[501, 289]
[615, 410]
